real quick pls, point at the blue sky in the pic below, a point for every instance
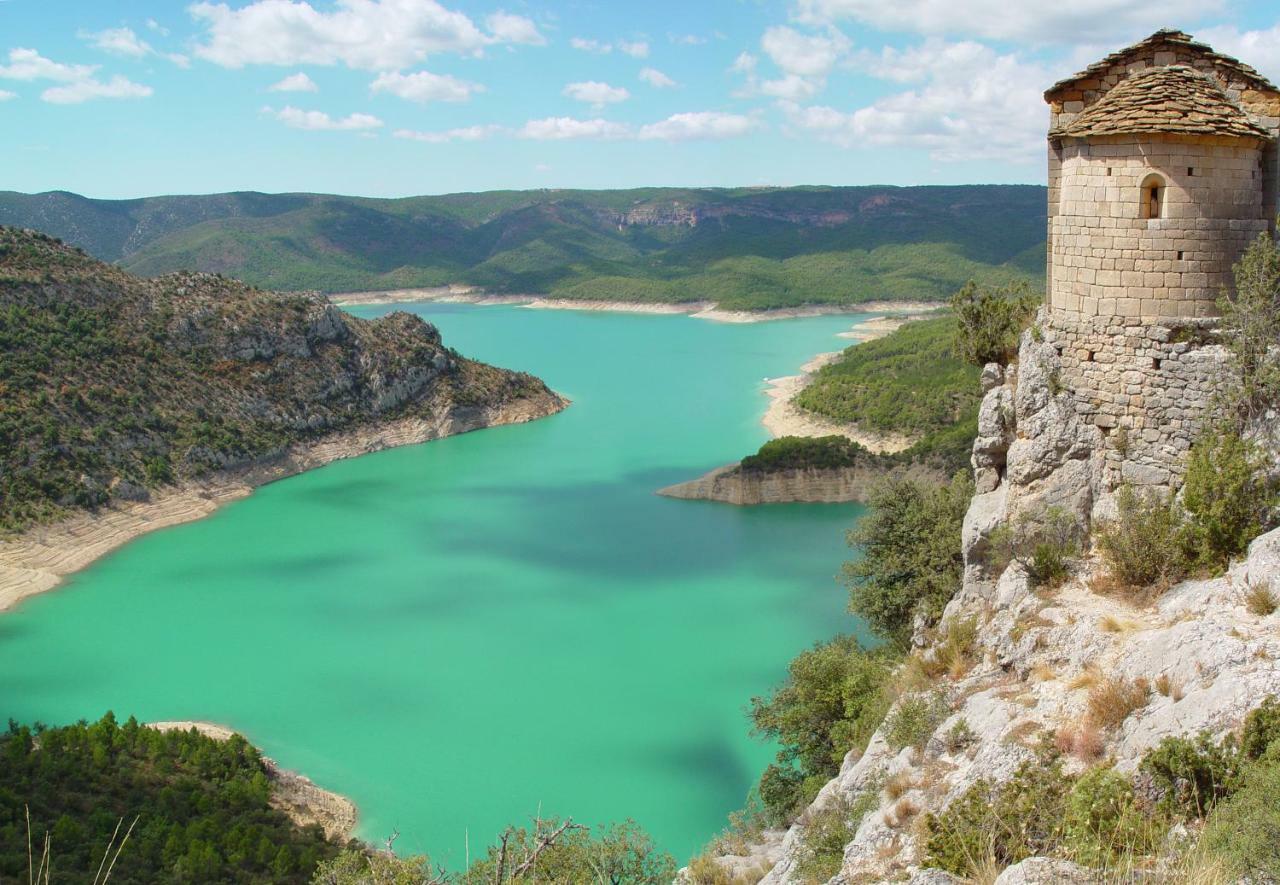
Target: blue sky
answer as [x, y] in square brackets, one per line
[125, 98]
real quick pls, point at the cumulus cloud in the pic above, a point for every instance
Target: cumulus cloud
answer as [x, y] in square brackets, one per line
[745, 63]
[699, 125]
[466, 133]
[970, 103]
[79, 82]
[635, 49]
[319, 121]
[298, 82]
[1258, 48]
[1003, 20]
[378, 35]
[5, 95]
[118, 41]
[656, 78]
[564, 128]
[806, 55]
[425, 86]
[584, 45]
[508, 28]
[85, 90]
[596, 93]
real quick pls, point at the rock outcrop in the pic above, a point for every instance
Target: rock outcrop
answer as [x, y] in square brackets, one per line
[733, 485]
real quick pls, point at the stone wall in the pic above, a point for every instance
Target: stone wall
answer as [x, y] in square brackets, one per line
[1107, 260]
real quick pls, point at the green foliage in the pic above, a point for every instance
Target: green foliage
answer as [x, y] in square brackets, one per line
[915, 719]
[806, 453]
[1243, 832]
[1228, 496]
[1103, 824]
[616, 853]
[752, 248]
[1193, 773]
[1144, 545]
[1043, 544]
[820, 853]
[354, 867]
[1250, 328]
[201, 805]
[990, 318]
[1007, 822]
[832, 702]
[911, 563]
[1261, 729]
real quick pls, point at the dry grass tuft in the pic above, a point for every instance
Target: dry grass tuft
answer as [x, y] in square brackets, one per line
[1084, 742]
[1043, 672]
[1167, 687]
[1086, 678]
[901, 813]
[1260, 600]
[1121, 626]
[1112, 700]
[899, 784]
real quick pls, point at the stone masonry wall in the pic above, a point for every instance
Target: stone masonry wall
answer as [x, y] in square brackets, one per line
[1107, 260]
[1147, 388]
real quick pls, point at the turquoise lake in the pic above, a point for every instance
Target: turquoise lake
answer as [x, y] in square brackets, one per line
[461, 633]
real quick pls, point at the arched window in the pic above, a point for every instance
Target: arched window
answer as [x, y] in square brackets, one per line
[1152, 197]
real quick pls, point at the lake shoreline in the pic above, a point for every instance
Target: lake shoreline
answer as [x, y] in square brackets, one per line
[303, 800]
[41, 558]
[702, 310]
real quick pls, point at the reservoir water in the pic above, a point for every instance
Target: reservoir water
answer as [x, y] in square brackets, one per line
[460, 634]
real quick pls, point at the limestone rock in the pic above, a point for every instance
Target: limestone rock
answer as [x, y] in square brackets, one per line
[1047, 871]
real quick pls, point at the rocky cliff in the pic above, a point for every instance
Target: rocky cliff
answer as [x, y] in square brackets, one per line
[1193, 659]
[733, 485]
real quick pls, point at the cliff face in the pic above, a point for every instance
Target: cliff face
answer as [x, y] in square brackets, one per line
[111, 385]
[1203, 657]
[732, 485]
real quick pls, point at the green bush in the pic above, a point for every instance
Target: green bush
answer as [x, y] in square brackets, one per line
[826, 832]
[1227, 495]
[832, 702]
[1005, 822]
[1261, 729]
[1250, 328]
[911, 562]
[990, 320]
[1043, 544]
[1144, 545]
[915, 719]
[806, 453]
[615, 853]
[1193, 773]
[1243, 832]
[1103, 823]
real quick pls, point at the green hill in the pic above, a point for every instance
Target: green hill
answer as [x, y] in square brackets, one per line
[743, 248]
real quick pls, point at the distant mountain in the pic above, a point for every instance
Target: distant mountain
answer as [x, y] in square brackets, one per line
[744, 248]
[112, 386]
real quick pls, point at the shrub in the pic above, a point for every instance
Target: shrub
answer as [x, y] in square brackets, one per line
[1042, 544]
[1243, 832]
[958, 736]
[1143, 546]
[1103, 822]
[832, 701]
[1113, 699]
[1193, 774]
[1001, 823]
[805, 453]
[825, 834]
[1261, 729]
[990, 319]
[911, 561]
[915, 718]
[1228, 496]
[1251, 327]
[615, 853]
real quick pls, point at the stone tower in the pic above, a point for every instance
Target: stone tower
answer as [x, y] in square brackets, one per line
[1162, 169]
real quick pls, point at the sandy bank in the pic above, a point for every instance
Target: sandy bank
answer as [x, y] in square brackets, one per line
[297, 796]
[38, 559]
[785, 418]
[703, 310]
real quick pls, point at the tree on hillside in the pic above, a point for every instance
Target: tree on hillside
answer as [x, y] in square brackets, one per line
[1251, 332]
[990, 320]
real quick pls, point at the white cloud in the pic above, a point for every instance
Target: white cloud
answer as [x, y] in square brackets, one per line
[319, 121]
[5, 95]
[466, 133]
[153, 25]
[791, 87]
[635, 49]
[84, 90]
[686, 39]
[699, 125]
[298, 82]
[28, 64]
[656, 78]
[584, 45]
[425, 86]
[562, 128]
[79, 82]
[745, 63]
[1004, 20]
[118, 41]
[1261, 49]
[971, 104]
[378, 35]
[806, 55]
[508, 28]
[596, 93]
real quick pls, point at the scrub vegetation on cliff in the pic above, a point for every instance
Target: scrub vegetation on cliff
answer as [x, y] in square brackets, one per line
[111, 385]
[747, 248]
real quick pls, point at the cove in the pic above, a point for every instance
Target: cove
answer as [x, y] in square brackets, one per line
[459, 634]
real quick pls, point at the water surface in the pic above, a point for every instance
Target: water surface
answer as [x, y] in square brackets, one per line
[459, 633]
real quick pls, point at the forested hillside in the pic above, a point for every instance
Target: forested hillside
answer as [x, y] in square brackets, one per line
[744, 248]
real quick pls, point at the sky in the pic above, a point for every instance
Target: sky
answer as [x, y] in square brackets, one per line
[130, 98]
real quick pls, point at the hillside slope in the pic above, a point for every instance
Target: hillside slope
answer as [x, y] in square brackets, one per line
[746, 248]
[111, 385]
